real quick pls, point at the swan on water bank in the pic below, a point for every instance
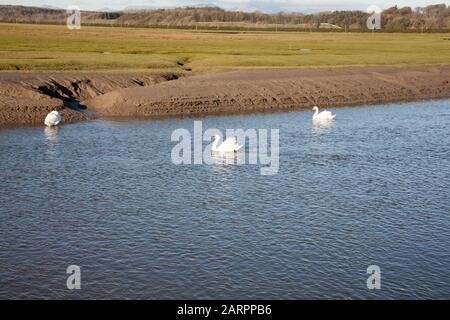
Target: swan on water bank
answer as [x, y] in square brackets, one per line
[229, 145]
[52, 119]
[324, 115]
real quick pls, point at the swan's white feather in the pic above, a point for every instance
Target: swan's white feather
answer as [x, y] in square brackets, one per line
[324, 115]
[229, 145]
[52, 119]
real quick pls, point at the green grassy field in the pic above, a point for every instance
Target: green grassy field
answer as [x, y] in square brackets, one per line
[40, 47]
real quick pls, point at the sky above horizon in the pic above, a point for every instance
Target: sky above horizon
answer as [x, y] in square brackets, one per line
[305, 6]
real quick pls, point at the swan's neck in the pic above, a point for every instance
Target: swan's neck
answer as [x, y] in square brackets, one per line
[317, 112]
[215, 144]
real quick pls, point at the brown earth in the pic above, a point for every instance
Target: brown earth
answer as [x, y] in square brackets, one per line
[272, 90]
[25, 98]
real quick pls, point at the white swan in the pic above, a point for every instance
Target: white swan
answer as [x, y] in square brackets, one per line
[52, 119]
[324, 115]
[229, 145]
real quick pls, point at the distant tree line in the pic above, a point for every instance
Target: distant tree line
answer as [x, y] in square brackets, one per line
[406, 19]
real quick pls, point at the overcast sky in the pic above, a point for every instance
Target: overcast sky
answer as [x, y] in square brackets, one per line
[247, 5]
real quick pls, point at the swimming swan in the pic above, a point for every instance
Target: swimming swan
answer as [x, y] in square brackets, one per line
[52, 119]
[229, 145]
[324, 115]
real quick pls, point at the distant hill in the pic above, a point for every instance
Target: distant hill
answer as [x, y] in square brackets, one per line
[406, 19]
[47, 6]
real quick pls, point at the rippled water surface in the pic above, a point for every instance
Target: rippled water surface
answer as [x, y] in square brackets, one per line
[373, 188]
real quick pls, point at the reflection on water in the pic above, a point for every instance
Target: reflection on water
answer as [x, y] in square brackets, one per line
[321, 126]
[227, 158]
[51, 139]
[367, 189]
[51, 134]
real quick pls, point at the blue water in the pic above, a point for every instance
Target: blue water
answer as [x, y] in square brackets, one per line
[372, 188]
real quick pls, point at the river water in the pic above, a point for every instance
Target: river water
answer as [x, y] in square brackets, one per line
[372, 188]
